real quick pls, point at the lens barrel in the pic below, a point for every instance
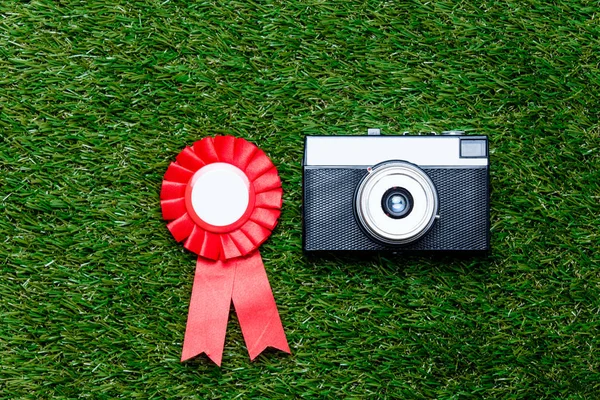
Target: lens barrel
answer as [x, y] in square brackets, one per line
[396, 203]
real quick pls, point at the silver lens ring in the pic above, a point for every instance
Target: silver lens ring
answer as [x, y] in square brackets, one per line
[377, 183]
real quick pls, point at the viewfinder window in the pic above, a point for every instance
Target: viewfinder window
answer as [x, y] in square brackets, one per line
[473, 148]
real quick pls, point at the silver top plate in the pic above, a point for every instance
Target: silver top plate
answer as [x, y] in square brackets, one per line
[371, 150]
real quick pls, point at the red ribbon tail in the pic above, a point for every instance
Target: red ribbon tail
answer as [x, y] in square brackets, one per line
[255, 306]
[209, 310]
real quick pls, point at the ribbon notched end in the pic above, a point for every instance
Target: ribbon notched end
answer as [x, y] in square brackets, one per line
[209, 310]
[189, 354]
[277, 344]
[244, 281]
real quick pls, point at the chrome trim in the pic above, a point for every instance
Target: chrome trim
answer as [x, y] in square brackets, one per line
[369, 212]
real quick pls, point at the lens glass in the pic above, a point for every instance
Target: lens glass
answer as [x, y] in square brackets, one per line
[397, 202]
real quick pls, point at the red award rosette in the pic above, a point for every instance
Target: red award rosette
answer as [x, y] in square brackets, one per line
[223, 197]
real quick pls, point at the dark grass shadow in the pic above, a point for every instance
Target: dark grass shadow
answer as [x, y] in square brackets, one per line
[426, 262]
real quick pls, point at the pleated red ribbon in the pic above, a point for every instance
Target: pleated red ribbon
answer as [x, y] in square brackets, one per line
[229, 266]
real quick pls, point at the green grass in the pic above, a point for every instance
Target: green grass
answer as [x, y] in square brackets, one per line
[97, 97]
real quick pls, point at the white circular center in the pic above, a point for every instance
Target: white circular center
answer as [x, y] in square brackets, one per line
[220, 193]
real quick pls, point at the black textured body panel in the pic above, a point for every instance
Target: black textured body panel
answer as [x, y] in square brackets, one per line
[330, 223]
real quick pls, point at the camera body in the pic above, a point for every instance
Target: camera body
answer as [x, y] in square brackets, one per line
[396, 193]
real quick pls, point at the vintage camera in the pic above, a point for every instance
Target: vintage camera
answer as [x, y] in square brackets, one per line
[396, 193]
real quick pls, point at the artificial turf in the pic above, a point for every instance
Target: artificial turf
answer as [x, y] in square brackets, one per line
[97, 97]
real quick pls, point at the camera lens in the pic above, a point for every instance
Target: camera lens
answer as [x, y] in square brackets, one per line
[397, 202]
